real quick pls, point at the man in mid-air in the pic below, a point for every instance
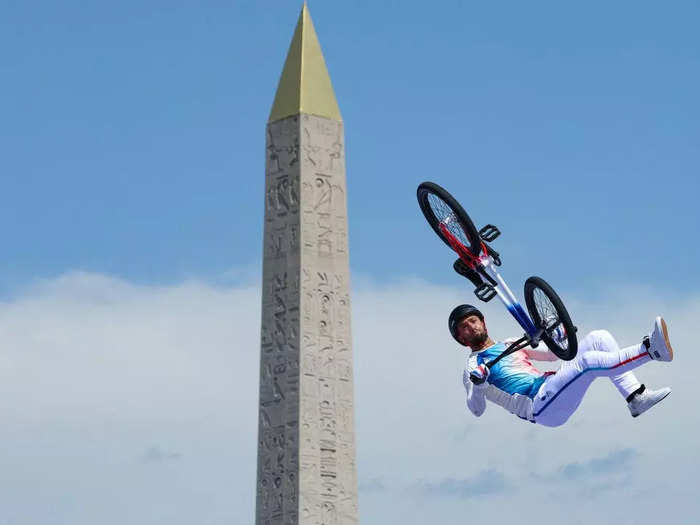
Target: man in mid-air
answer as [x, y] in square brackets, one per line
[550, 398]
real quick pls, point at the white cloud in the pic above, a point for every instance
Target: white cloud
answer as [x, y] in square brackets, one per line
[410, 397]
[135, 404]
[94, 370]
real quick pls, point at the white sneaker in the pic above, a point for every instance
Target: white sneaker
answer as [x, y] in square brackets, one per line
[647, 399]
[659, 346]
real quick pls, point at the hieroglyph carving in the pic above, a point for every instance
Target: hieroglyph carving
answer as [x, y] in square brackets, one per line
[278, 428]
[326, 434]
[306, 459]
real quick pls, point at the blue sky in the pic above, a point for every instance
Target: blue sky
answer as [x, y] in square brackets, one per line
[131, 192]
[133, 134]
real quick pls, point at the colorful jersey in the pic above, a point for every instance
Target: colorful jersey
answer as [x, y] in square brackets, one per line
[514, 374]
[513, 382]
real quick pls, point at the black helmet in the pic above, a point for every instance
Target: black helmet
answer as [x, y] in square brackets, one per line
[459, 313]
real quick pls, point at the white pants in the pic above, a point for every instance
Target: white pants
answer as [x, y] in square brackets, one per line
[598, 355]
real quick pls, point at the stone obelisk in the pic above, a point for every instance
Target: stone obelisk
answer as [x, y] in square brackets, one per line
[306, 437]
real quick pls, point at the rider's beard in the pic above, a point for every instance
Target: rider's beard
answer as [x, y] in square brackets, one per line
[477, 340]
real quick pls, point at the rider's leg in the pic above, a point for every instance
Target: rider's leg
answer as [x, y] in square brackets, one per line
[626, 383]
[562, 393]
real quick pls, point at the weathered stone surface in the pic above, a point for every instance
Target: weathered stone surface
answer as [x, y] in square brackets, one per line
[306, 442]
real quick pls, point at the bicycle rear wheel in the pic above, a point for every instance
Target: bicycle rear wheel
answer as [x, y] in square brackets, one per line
[439, 207]
[547, 311]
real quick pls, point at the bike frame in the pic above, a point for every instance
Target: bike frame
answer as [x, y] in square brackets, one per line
[485, 265]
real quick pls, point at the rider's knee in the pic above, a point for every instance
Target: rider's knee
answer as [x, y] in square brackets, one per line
[603, 341]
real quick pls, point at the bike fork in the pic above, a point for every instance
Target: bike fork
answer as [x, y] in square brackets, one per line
[508, 298]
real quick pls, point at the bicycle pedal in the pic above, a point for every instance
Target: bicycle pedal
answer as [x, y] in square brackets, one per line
[489, 232]
[485, 292]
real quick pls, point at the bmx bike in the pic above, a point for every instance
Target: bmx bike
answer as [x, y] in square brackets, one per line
[549, 321]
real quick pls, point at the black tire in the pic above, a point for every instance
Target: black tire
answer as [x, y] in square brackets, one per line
[545, 306]
[436, 203]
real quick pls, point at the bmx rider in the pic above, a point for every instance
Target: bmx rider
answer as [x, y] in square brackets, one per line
[550, 398]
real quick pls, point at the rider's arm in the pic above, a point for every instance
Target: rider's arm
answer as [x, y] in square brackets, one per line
[539, 353]
[476, 395]
[542, 353]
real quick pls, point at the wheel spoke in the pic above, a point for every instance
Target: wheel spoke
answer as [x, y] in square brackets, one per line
[445, 215]
[548, 314]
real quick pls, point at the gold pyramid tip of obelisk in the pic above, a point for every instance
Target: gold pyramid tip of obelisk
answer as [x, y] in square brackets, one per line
[305, 86]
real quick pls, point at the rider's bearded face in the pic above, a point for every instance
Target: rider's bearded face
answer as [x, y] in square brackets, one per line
[472, 331]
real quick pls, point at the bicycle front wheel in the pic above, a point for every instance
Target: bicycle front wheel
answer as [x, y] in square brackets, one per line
[547, 311]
